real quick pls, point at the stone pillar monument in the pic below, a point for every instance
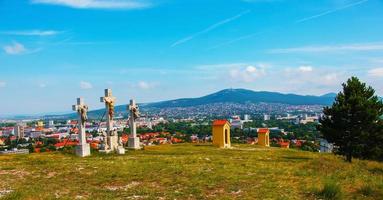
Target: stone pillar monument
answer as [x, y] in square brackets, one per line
[111, 142]
[133, 141]
[83, 148]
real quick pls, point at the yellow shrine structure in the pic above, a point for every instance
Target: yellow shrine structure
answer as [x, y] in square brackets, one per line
[221, 134]
[264, 137]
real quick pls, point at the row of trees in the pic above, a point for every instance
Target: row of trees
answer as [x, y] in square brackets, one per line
[354, 122]
[295, 131]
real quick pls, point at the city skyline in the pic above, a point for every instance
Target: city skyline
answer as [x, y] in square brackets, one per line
[53, 51]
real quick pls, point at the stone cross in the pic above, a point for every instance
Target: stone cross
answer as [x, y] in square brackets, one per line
[82, 110]
[109, 101]
[83, 149]
[134, 114]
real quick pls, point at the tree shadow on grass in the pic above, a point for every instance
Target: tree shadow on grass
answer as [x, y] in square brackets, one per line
[297, 158]
[376, 170]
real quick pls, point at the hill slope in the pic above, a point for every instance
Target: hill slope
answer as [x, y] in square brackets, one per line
[247, 96]
[187, 172]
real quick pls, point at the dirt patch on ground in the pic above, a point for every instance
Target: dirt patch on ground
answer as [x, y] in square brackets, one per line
[4, 192]
[122, 187]
[18, 173]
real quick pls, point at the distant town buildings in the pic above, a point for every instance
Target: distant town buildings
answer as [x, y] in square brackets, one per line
[236, 121]
[266, 117]
[19, 131]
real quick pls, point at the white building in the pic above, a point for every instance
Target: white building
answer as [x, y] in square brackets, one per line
[236, 121]
[19, 131]
[325, 146]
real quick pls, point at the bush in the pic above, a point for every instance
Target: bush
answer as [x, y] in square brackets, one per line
[68, 150]
[309, 146]
[31, 148]
[366, 190]
[51, 147]
[331, 191]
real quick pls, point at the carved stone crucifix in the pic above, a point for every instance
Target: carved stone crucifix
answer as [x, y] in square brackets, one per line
[134, 114]
[83, 148]
[109, 101]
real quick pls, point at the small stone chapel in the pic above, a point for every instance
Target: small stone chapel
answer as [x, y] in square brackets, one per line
[221, 133]
[264, 137]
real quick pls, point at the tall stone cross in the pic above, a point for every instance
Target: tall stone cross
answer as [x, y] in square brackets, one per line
[83, 148]
[133, 140]
[109, 101]
[134, 114]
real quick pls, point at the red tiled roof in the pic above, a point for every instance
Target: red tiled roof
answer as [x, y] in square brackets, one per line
[66, 143]
[284, 144]
[263, 130]
[220, 122]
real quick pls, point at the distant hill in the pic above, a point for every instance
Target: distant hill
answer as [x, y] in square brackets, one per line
[247, 96]
[240, 96]
[332, 94]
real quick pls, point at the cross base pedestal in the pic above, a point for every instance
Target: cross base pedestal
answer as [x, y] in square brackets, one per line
[106, 151]
[113, 142]
[134, 143]
[83, 150]
[113, 145]
[120, 150]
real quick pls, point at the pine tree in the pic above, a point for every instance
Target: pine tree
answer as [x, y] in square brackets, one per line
[353, 122]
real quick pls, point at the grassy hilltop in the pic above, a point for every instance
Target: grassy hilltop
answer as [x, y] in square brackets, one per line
[190, 172]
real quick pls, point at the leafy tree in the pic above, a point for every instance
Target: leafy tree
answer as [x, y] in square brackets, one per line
[31, 148]
[353, 122]
[7, 124]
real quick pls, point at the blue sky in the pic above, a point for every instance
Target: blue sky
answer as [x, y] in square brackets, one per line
[53, 51]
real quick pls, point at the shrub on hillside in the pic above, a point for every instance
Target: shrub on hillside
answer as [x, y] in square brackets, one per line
[331, 191]
[309, 146]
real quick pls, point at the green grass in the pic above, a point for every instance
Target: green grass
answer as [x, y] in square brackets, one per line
[331, 190]
[190, 172]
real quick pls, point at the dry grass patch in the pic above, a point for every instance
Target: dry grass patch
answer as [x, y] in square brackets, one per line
[188, 172]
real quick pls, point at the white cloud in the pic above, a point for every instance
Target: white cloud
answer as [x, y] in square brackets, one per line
[85, 85]
[305, 77]
[305, 68]
[145, 85]
[247, 74]
[377, 72]
[15, 48]
[31, 32]
[331, 78]
[237, 72]
[3, 84]
[210, 28]
[97, 4]
[302, 76]
[332, 48]
[215, 67]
